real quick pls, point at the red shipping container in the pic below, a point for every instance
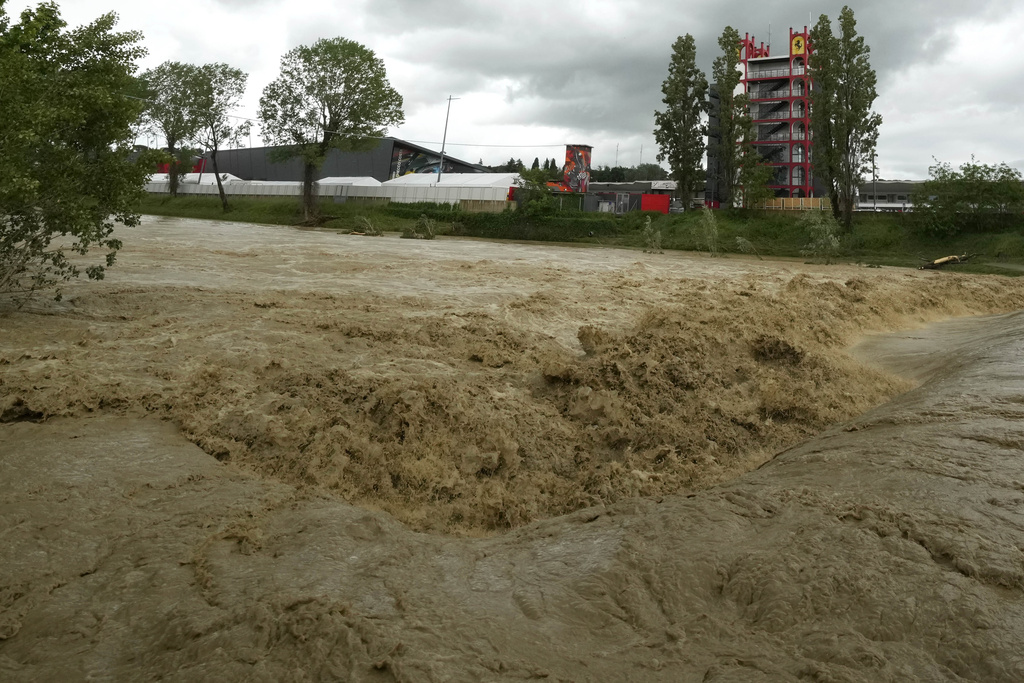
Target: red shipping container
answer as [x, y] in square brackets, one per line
[654, 202]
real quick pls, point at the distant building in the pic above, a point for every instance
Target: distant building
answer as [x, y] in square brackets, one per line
[887, 195]
[639, 195]
[779, 90]
[391, 158]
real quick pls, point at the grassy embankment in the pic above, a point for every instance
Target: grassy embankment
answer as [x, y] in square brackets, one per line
[876, 239]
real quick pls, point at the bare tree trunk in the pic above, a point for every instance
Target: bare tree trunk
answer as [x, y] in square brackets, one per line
[220, 185]
[172, 168]
[848, 214]
[309, 209]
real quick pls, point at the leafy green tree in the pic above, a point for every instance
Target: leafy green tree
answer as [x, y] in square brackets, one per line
[645, 172]
[823, 230]
[608, 174]
[755, 176]
[974, 197]
[823, 106]
[66, 137]
[216, 90]
[680, 129]
[733, 122]
[844, 129]
[513, 165]
[536, 164]
[534, 197]
[706, 231]
[171, 111]
[333, 94]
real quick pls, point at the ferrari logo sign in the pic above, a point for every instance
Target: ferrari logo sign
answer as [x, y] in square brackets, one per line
[799, 46]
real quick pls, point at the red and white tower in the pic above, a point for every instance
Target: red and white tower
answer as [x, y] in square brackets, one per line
[779, 91]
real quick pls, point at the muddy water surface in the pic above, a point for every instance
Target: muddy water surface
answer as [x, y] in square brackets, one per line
[592, 411]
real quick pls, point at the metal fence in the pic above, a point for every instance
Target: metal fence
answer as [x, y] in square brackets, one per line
[470, 198]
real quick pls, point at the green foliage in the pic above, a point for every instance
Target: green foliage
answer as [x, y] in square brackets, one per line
[680, 129]
[66, 133]
[332, 94]
[733, 123]
[707, 231]
[533, 195]
[424, 229]
[215, 90]
[823, 230]
[607, 174]
[844, 129]
[652, 237]
[977, 197]
[511, 166]
[623, 174]
[170, 111]
[754, 178]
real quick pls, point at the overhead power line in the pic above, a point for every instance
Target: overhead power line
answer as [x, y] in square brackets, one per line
[385, 137]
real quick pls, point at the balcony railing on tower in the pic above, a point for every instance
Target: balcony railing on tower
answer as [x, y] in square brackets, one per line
[769, 94]
[778, 114]
[773, 73]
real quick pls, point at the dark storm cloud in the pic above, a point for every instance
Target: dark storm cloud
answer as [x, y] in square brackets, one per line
[594, 70]
[601, 68]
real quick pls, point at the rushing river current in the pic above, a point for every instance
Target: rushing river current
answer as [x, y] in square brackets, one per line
[889, 547]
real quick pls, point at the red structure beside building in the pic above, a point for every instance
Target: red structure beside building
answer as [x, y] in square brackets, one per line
[779, 91]
[198, 167]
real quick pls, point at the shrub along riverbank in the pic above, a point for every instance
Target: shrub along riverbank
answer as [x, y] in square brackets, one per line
[876, 239]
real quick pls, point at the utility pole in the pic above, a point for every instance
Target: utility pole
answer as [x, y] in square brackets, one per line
[874, 182]
[444, 139]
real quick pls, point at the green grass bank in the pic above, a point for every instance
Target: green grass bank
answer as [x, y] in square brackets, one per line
[876, 238]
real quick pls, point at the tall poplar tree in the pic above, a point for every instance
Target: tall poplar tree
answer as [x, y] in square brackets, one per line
[171, 111]
[217, 89]
[733, 124]
[844, 130]
[680, 129]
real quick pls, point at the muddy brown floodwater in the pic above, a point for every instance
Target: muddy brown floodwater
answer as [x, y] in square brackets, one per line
[258, 453]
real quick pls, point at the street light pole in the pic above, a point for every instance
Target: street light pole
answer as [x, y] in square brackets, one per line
[444, 139]
[874, 182]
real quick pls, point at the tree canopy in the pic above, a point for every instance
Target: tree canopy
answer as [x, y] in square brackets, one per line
[680, 128]
[217, 89]
[66, 136]
[331, 94]
[974, 197]
[843, 127]
[171, 110]
[731, 125]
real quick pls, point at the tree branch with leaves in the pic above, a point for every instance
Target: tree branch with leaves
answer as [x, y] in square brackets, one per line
[66, 136]
[171, 111]
[333, 94]
[217, 90]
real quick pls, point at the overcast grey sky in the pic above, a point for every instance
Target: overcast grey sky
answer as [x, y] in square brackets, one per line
[534, 75]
